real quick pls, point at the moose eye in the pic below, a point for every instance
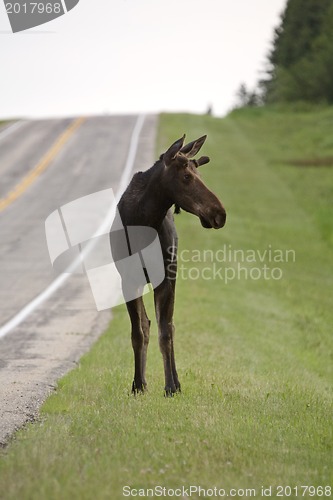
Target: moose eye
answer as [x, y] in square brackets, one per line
[187, 177]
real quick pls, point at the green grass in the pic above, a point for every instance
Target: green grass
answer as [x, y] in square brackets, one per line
[254, 355]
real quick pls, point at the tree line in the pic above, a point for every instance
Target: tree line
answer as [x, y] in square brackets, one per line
[300, 62]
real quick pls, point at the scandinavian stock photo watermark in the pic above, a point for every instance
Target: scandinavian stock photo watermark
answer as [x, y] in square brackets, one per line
[229, 264]
[122, 263]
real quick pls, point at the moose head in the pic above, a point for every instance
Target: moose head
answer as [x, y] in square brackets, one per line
[185, 186]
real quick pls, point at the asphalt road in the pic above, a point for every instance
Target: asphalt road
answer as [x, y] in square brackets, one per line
[50, 173]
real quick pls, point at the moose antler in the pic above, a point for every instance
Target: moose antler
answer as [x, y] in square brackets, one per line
[202, 161]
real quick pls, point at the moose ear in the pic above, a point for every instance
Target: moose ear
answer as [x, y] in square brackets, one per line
[171, 153]
[202, 161]
[192, 148]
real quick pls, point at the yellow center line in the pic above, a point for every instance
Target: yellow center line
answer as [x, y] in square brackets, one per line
[23, 185]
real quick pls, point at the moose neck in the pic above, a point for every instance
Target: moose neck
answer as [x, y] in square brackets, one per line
[154, 202]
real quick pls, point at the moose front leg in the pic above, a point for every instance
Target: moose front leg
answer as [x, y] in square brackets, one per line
[173, 363]
[140, 339]
[164, 305]
[145, 325]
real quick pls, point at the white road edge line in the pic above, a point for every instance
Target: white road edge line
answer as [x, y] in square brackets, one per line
[62, 278]
[11, 128]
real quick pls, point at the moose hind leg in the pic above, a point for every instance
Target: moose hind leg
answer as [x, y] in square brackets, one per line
[134, 308]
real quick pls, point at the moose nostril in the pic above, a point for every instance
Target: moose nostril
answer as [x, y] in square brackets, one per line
[220, 219]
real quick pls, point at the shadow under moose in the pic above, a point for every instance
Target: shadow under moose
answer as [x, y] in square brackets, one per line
[145, 212]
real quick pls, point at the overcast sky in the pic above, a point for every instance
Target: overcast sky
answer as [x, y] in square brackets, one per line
[124, 56]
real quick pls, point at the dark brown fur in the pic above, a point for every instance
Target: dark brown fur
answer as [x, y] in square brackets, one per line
[173, 180]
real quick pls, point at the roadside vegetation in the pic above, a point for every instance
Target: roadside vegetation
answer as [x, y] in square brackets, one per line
[299, 63]
[254, 351]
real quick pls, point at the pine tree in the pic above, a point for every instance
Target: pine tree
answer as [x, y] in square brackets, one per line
[246, 98]
[301, 60]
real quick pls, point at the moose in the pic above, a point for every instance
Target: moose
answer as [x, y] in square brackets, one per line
[172, 181]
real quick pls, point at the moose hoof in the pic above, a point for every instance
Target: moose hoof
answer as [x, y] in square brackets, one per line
[170, 391]
[138, 388]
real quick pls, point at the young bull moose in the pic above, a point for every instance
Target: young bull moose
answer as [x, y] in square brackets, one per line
[173, 180]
